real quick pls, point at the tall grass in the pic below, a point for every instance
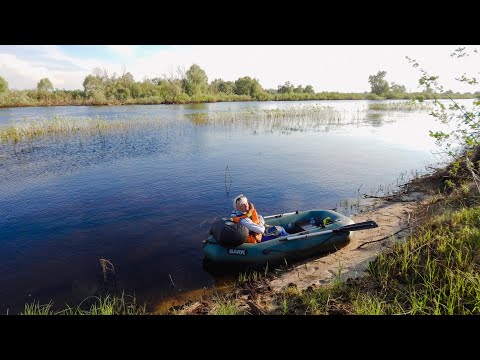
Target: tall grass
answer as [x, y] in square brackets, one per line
[436, 271]
[224, 306]
[94, 305]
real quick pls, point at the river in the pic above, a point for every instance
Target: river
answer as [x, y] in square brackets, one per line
[144, 198]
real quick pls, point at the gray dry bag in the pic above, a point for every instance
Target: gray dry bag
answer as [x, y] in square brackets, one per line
[227, 233]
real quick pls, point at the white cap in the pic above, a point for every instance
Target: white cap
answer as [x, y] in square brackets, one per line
[239, 200]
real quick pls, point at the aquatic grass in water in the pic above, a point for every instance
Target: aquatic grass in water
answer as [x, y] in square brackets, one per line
[401, 106]
[60, 126]
[283, 120]
[325, 114]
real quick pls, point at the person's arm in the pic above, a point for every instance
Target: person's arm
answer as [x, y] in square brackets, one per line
[262, 220]
[250, 225]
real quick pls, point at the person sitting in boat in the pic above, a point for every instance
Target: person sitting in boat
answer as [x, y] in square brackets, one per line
[246, 215]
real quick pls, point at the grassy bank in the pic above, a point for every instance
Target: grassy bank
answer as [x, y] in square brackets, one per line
[435, 271]
[27, 98]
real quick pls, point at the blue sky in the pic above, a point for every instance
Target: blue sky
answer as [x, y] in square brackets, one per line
[344, 68]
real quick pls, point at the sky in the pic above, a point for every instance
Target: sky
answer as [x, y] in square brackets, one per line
[342, 68]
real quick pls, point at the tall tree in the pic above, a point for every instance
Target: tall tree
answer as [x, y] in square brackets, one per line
[299, 89]
[309, 89]
[227, 87]
[92, 85]
[195, 81]
[287, 88]
[248, 86]
[45, 85]
[397, 88]
[3, 85]
[378, 83]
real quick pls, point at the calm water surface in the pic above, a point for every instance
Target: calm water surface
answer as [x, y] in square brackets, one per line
[144, 198]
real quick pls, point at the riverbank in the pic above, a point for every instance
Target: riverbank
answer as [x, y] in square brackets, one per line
[393, 217]
[325, 284]
[34, 98]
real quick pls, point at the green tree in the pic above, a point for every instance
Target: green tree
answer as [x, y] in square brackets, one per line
[45, 85]
[220, 86]
[378, 83]
[287, 88]
[93, 85]
[465, 120]
[170, 89]
[227, 87]
[195, 81]
[309, 89]
[396, 88]
[248, 86]
[127, 79]
[3, 85]
[299, 89]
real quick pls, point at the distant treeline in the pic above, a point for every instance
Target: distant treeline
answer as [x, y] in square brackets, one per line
[192, 86]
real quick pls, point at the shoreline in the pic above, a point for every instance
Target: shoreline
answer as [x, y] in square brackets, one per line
[394, 215]
[410, 97]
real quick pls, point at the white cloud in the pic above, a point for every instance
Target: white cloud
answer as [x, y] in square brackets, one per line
[48, 61]
[123, 50]
[327, 68]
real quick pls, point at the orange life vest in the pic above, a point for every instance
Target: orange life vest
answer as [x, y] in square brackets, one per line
[253, 237]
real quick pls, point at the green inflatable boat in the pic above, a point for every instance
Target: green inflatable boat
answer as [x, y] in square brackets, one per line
[310, 232]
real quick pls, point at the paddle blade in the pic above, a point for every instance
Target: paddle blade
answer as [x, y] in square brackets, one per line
[359, 226]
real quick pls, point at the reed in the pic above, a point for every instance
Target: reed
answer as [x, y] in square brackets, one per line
[285, 121]
[28, 130]
[401, 106]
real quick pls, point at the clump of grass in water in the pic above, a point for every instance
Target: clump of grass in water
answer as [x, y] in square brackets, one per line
[401, 106]
[56, 126]
[323, 114]
[37, 309]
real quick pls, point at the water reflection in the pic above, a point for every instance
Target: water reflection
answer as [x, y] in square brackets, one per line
[375, 119]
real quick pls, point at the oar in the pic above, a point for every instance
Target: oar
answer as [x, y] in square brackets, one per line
[353, 227]
[279, 215]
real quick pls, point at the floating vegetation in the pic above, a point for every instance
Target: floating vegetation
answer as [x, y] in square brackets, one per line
[401, 106]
